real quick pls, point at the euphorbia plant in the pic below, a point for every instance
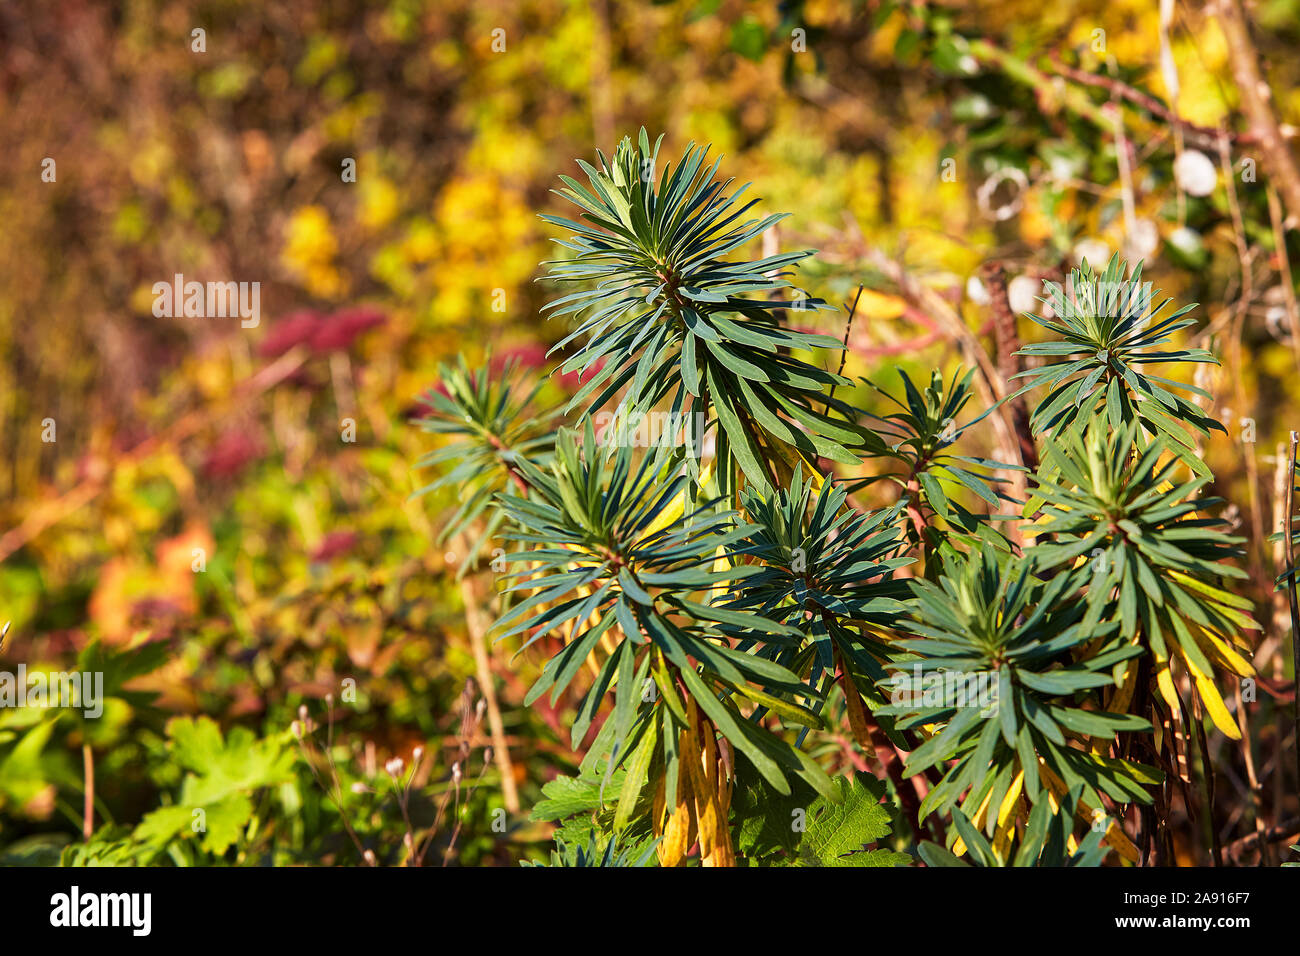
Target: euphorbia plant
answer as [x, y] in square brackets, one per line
[1018, 672]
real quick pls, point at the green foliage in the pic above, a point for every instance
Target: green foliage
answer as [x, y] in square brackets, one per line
[593, 854]
[1046, 843]
[998, 669]
[837, 833]
[173, 435]
[588, 826]
[1109, 330]
[215, 806]
[669, 317]
[603, 539]
[727, 603]
[826, 572]
[917, 440]
[495, 432]
[807, 829]
[222, 776]
[1150, 537]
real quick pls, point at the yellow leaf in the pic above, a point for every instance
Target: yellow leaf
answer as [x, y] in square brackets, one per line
[674, 510]
[1214, 704]
[1165, 683]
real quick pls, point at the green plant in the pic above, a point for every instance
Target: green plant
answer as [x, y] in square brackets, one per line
[739, 606]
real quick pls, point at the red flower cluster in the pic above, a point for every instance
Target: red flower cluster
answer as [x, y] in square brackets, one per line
[323, 333]
[334, 544]
[231, 452]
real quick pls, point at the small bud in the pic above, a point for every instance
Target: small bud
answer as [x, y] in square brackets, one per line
[296, 728]
[359, 787]
[369, 857]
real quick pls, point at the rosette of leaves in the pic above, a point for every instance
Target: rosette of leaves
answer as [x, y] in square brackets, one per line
[1110, 331]
[592, 853]
[1047, 842]
[670, 319]
[827, 571]
[917, 442]
[1008, 671]
[622, 562]
[491, 429]
[1117, 518]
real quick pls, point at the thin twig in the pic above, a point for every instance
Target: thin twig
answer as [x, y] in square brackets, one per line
[1207, 782]
[1203, 136]
[1284, 271]
[478, 628]
[1291, 591]
[88, 807]
[1287, 830]
[848, 328]
[1254, 103]
[302, 733]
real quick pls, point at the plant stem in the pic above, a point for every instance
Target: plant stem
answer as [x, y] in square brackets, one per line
[1254, 103]
[88, 808]
[848, 329]
[1291, 593]
[1284, 270]
[1207, 785]
[482, 662]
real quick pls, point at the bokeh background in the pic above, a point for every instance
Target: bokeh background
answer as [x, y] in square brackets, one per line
[206, 528]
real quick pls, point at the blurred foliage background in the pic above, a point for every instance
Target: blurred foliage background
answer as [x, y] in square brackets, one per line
[224, 518]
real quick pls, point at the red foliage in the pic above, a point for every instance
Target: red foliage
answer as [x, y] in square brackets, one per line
[334, 544]
[231, 452]
[290, 331]
[324, 333]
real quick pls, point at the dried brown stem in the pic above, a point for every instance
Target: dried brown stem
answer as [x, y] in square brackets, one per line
[1007, 339]
[1263, 126]
[1202, 136]
[1286, 831]
[1291, 592]
[477, 626]
[1284, 271]
[88, 806]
